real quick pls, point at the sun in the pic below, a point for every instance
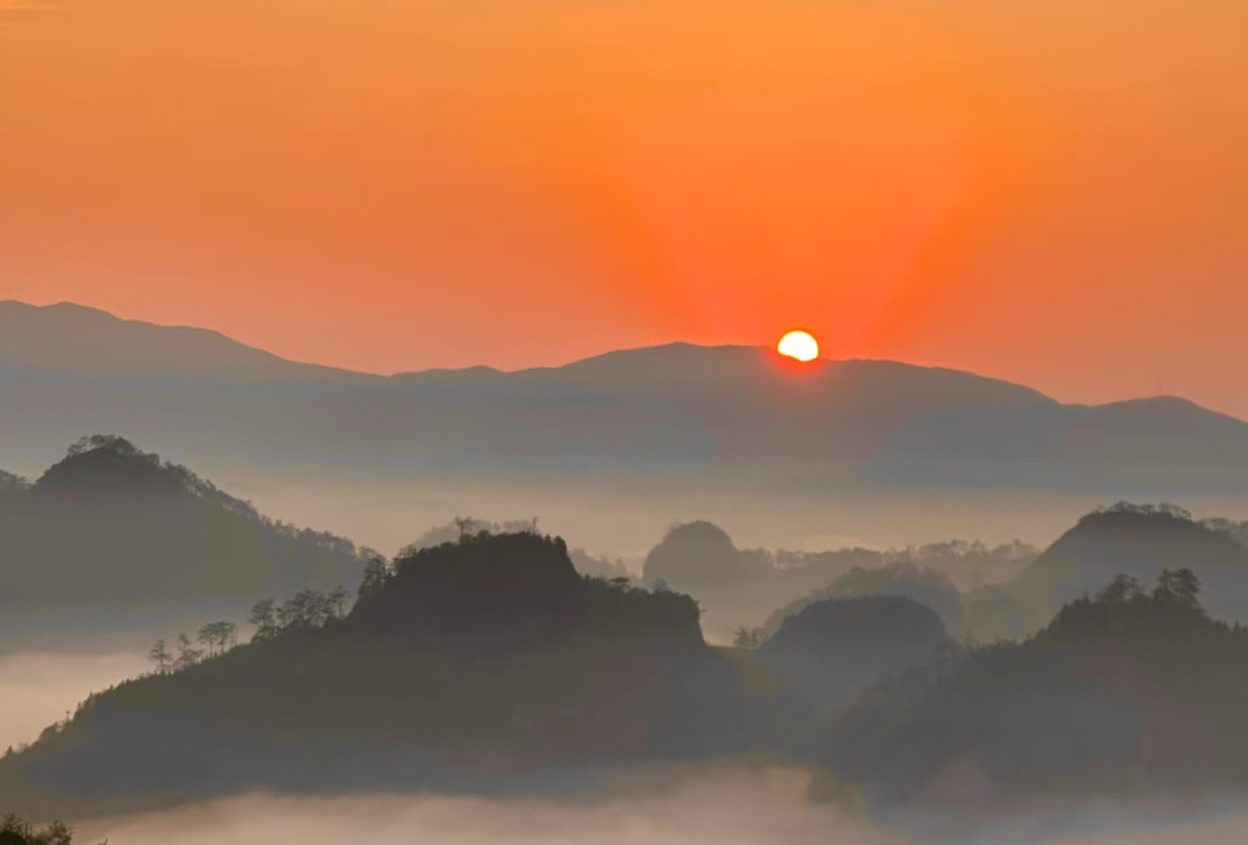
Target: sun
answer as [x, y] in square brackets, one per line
[799, 345]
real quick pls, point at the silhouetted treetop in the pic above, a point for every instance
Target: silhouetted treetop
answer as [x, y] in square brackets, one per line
[699, 531]
[463, 526]
[484, 554]
[1141, 509]
[1125, 609]
[1131, 509]
[14, 831]
[114, 443]
[107, 463]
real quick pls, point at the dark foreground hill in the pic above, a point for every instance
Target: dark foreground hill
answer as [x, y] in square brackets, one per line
[490, 666]
[111, 536]
[484, 665]
[1129, 692]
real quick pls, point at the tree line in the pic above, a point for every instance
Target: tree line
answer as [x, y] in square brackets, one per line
[306, 610]
[15, 831]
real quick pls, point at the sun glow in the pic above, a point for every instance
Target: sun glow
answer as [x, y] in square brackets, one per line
[799, 345]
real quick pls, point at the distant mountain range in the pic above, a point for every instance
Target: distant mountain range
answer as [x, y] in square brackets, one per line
[726, 414]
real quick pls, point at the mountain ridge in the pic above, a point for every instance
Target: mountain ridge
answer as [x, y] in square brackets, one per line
[10, 308]
[36, 328]
[111, 538]
[687, 413]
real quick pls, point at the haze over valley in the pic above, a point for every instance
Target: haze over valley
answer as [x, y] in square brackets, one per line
[498, 664]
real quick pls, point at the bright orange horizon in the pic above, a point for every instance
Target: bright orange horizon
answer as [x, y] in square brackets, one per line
[1053, 193]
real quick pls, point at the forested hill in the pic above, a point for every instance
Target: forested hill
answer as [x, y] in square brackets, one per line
[829, 652]
[112, 528]
[487, 664]
[1141, 541]
[1133, 690]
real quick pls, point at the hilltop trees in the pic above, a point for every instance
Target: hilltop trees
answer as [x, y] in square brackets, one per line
[486, 663]
[305, 611]
[1128, 687]
[110, 442]
[376, 572]
[161, 657]
[14, 831]
[217, 637]
[463, 527]
[263, 616]
[188, 655]
[1125, 608]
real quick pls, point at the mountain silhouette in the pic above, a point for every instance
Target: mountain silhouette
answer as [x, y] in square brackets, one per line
[832, 650]
[708, 416]
[111, 537]
[1140, 541]
[484, 665]
[930, 587]
[73, 341]
[1132, 691]
[697, 555]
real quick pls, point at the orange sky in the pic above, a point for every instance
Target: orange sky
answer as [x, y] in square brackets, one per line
[1052, 191]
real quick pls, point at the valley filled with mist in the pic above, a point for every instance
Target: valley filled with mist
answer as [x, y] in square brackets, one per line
[177, 667]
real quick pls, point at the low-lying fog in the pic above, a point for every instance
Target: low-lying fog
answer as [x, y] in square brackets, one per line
[629, 520]
[39, 688]
[731, 804]
[728, 806]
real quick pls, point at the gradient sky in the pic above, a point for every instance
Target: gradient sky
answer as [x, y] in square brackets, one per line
[1051, 191]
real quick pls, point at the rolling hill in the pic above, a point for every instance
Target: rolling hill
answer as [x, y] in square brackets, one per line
[1141, 542]
[110, 538]
[833, 650]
